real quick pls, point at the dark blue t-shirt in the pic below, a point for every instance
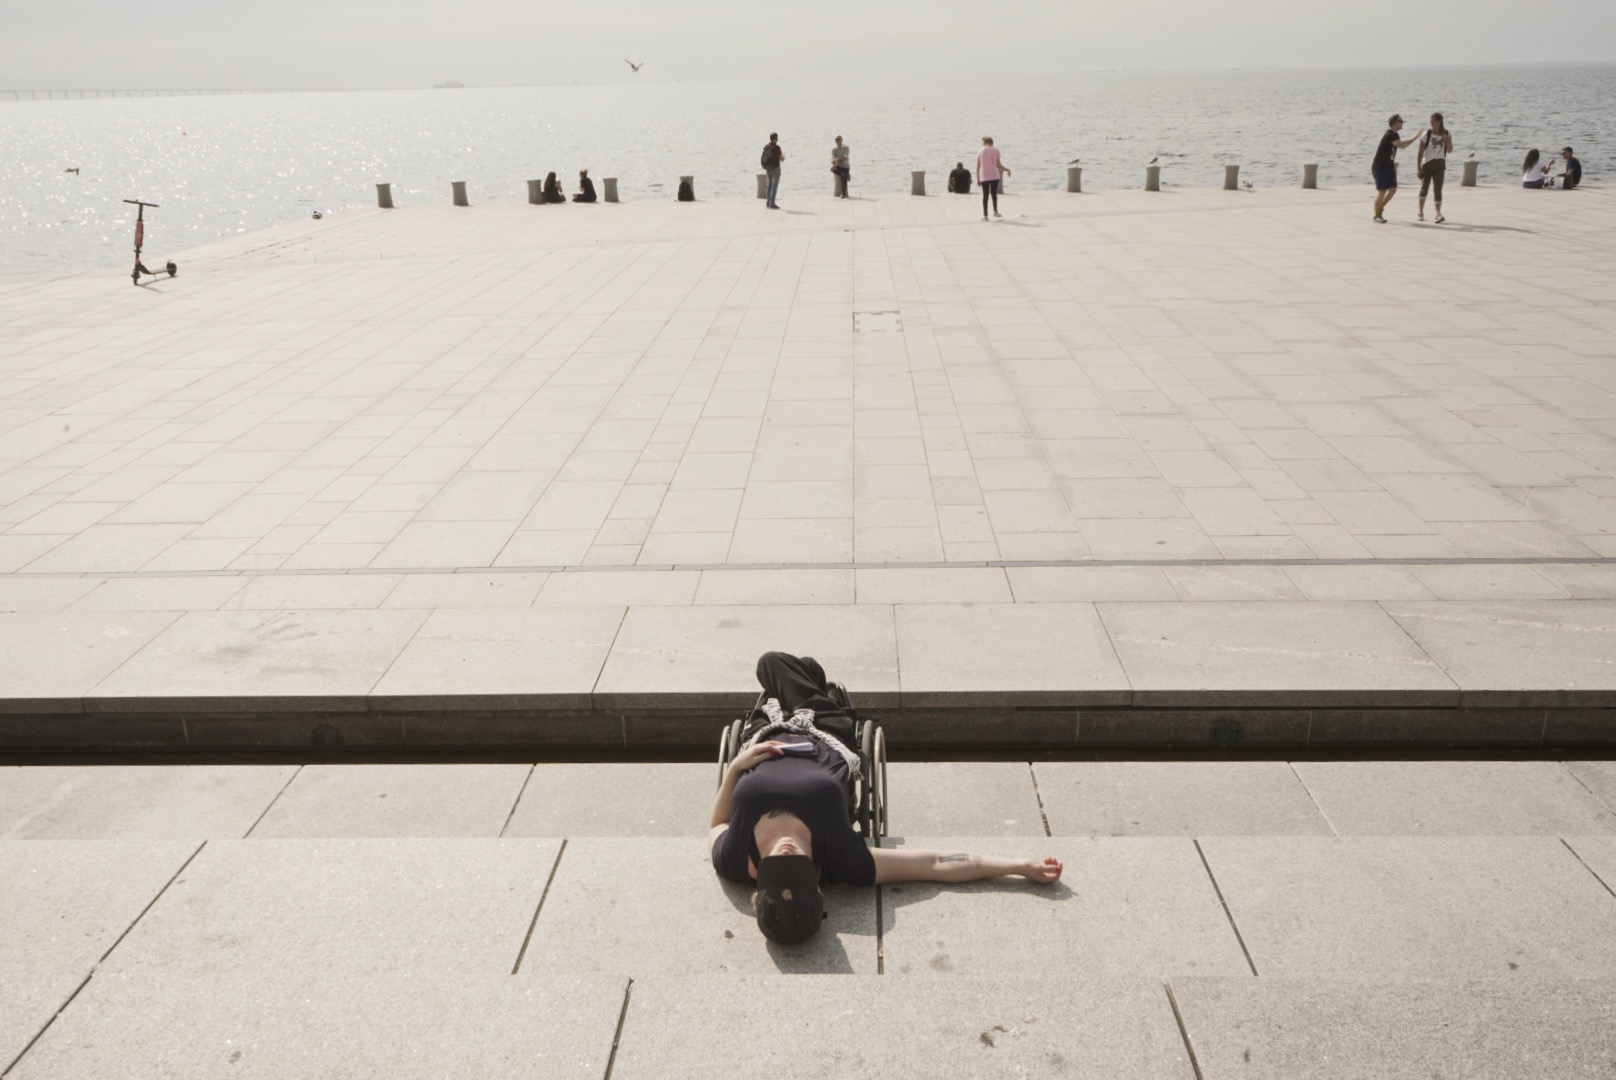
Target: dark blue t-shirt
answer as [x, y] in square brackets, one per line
[1573, 173]
[813, 788]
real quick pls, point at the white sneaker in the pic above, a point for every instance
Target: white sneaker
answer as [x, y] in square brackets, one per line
[984, 217]
[1420, 218]
[997, 214]
[1379, 220]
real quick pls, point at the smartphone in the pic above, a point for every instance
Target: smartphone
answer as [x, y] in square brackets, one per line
[804, 747]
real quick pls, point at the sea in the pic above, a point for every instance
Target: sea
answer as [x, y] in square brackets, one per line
[222, 164]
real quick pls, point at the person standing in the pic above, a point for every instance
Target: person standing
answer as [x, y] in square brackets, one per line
[839, 166]
[771, 159]
[1436, 143]
[1384, 167]
[990, 168]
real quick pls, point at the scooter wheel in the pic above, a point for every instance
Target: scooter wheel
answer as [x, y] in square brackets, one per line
[172, 269]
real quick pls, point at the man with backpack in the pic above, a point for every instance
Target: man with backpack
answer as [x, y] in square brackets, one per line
[771, 159]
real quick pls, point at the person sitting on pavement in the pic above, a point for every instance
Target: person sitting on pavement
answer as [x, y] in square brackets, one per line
[1533, 172]
[552, 189]
[780, 818]
[959, 181]
[586, 187]
[1571, 172]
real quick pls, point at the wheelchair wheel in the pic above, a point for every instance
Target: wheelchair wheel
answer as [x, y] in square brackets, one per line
[729, 744]
[865, 807]
[878, 771]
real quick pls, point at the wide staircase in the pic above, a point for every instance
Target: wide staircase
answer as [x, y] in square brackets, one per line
[1264, 918]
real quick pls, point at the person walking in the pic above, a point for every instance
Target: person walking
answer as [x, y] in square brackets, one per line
[1436, 143]
[839, 166]
[771, 159]
[990, 167]
[1384, 167]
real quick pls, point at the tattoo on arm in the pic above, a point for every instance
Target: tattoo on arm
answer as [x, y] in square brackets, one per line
[958, 856]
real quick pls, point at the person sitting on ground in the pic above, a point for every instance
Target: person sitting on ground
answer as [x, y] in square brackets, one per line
[685, 192]
[1533, 174]
[780, 817]
[586, 187]
[1571, 172]
[959, 181]
[552, 189]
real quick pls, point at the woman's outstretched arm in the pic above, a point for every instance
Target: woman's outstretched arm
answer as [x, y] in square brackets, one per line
[897, 864]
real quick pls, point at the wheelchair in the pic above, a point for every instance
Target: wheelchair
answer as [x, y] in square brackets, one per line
[867, 795]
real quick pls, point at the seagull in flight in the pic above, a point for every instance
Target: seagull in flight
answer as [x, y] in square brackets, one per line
[633, 66]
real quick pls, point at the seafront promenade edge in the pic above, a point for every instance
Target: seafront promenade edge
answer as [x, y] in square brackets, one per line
[1181, 469]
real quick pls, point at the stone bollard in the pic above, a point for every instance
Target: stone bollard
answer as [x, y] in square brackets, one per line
[1074, 179]
[1152, 177]
[384, 196]
[611, 188]
[1471, 166]
[535, 192]
[1310, 175]
[459, 187]
[917, 182]
[763, 185]
[691, 180]
[1231, 178]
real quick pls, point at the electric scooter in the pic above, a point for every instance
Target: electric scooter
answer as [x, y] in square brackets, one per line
[140, 238]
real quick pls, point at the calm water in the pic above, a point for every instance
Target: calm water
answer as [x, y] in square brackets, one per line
[222, 165]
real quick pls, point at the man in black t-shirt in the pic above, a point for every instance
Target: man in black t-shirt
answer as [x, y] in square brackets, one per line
[781, 814]
[1571, 172]
[1384, 167]
[959, 181]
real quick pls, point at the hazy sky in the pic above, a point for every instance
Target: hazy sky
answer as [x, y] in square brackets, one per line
[386, 43]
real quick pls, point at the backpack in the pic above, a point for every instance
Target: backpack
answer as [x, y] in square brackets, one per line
[771, 157]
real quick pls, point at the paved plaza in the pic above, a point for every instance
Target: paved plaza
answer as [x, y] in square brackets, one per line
[1121, 456]
[1216, 919]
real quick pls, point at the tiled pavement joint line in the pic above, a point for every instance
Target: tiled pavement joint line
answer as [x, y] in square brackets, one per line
[525, 781]
[1183, 1032]
[40, 1034]
[1226, 912]
[149, 906]
[1586, 867]
[549, 881]
[617, 1036]
[931, 564]
[880, 938]
[1333, 830]
[1572, 773]
[272, 802]
[1033, 772]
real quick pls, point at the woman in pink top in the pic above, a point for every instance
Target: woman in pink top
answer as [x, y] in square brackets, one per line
[989, 167]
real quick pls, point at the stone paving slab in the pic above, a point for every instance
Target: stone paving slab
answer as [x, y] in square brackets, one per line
[409, 909]
[1124, 906]
[1493, 1029]
[607, 799]
[1174, 798]
[676, 917]
[67, 903]
[962, 798]
[394, 800]
[143, 1020]
[968, 1026]
[1453, 798]
[1415, 908]
[147, 802]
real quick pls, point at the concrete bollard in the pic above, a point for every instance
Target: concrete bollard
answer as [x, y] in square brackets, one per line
[1310, 175]
[611, 188]
[1152, 177]
[691, 180]
[535, 192]
[1471, 166]
[763, 185]
[1231, 178]
[459, 187]
[1074, 179]
[384, 196]
[917, 182]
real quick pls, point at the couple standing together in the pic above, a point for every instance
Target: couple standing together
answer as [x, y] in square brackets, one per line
[773, 155]
[1436, 143]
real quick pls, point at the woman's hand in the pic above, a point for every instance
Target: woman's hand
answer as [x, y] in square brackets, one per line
[754, 755]
[1044, 873]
